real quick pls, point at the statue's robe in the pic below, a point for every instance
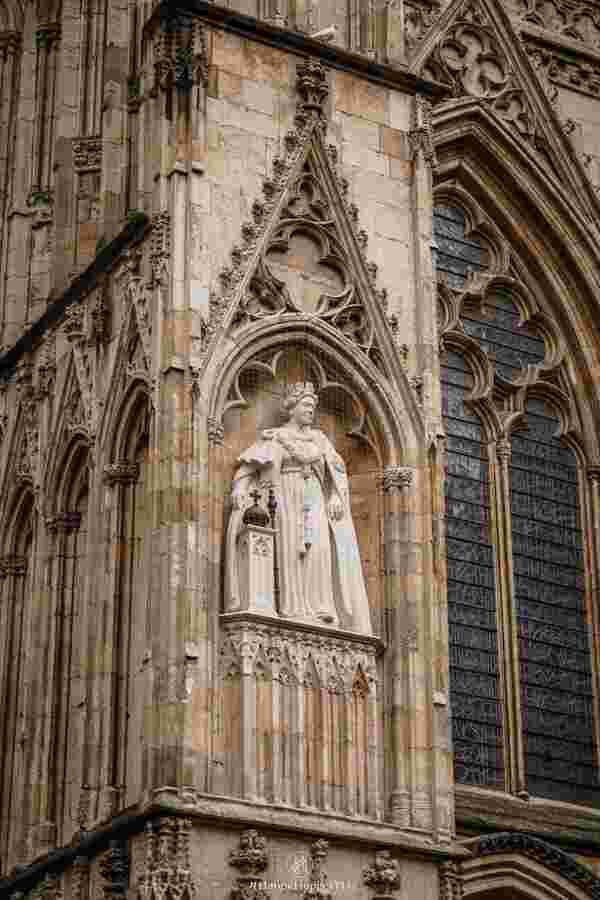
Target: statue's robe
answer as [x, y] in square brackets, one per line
[320, 571]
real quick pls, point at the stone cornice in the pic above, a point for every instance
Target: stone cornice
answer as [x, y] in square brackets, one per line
[396, 77]
[84, 283]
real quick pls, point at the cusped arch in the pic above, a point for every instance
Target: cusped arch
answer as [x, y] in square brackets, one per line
[69, 475]
[397, 420]
[553, 248]
[18, 521]
[526, 868]
[130, 417]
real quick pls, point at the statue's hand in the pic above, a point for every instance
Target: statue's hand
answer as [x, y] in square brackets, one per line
[336, 509]
[237, 500]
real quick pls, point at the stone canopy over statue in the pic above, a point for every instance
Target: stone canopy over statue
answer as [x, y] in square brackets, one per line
[310, 540]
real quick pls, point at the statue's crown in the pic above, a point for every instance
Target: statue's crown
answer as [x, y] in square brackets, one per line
[295, 392]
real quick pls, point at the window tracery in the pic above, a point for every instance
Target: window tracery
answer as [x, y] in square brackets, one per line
[520, 662]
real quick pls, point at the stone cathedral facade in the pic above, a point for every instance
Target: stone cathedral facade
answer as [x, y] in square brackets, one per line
[300, 449]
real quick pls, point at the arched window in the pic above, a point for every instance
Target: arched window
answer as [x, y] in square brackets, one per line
[520, 662]
[69, 529]
[16, 569]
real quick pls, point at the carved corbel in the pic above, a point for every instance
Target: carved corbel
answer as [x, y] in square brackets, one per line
[383, 877]
[251, 860]
[122, 472]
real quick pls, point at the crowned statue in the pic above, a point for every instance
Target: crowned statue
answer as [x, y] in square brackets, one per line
[319, 571]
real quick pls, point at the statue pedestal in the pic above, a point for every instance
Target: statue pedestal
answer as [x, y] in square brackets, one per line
[256, 555]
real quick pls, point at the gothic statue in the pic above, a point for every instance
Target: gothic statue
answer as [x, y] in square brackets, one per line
[319, 568]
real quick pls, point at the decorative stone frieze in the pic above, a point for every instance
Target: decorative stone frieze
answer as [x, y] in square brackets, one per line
[87, 154]
[396, 478]
[383, 876]
[251, 859]
[562, 67]
[165, 865]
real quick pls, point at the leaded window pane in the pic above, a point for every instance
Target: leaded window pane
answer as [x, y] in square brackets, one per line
[512, 346]
[555, 666]
[455, 254]
[474, 683]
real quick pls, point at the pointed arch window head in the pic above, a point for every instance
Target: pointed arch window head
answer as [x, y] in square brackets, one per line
[522, 707]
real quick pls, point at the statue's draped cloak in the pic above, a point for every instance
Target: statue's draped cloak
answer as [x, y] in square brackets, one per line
[320, 571]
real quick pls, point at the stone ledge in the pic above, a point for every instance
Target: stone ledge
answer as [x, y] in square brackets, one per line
[278, 623]
[229, 810]
[481, 811]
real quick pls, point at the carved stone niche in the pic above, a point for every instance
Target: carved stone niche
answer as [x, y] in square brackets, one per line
[302, 536]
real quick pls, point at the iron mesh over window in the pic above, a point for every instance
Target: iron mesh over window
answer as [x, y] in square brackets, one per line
[556, 684]
[474, 683]
[455, 254]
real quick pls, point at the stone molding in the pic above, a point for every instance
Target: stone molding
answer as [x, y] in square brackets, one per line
[527, 845]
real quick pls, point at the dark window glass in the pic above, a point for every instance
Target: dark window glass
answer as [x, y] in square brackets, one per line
[512, 346]
[556, 684]
[474, 687]
[455, 254]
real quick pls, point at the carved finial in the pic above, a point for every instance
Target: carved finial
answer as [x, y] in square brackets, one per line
[311, 83]
[251, 859]
[383, 876]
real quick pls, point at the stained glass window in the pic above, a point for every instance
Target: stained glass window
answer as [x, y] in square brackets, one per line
[455, 253]
[475, 695]
[555, 673]
[553, 676]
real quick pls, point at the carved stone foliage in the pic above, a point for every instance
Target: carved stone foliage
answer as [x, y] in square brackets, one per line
[165, 872]
[383, 877]
[319, 886]
[311, 84]
[469, 59]
[160, 246]
[251, 859]
[396, 479]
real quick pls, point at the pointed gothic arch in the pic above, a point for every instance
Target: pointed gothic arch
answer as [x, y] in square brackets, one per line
[535, 227]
